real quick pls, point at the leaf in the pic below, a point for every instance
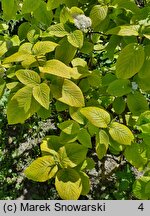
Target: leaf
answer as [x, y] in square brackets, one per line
[139, 188]
[3, 48]
[30, 5]
[143, 122]
[44, 113]
[2, 87]
[56, 68]
[21, 106]
[42, 169]
[41, 93]
[143, 83]
[87, 47]
[145, 70]
[57, 30]
[72, 154]
[76, 38]
[121, 133]
[28, 77]
[144, 118]
[71, 94]
[114, 41]
[92, 129]
[97, 116]
[137, 103]
[62, 55]
[9, 8]
[18, 57]
[84, 138]
[102, 141]
[98, 14]
[60, 106]
[119, 87]
[67, 138]
[50, 145]
[85, 183]
[136, 155]
[43, 15]
[23, 30]
[68, 184]
[119, 105]
[69, 127]
[124, 30]
[130, 61]
[76, 115]
[43, 47]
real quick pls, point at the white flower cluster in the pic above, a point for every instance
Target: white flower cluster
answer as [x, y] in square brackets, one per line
[82, 22]
[134, 86]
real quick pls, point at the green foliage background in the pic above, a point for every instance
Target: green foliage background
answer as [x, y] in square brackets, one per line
[87, 63]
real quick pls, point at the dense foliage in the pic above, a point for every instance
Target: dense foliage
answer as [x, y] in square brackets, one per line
[88, 62]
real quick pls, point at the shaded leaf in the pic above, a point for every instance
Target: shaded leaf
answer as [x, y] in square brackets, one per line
[68, 184]
[137, 103]
[69, 127]
[130, 61]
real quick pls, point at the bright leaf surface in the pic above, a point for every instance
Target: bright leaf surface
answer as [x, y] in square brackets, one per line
[96, 116]
[121, 133]
[42, 169]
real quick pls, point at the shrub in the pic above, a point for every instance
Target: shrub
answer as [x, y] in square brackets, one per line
[90, 62]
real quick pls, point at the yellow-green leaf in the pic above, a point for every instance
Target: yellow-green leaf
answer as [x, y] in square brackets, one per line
[140, 186]
[84, 138]
[72, 154]
[125, 30]
[18, 57]
[136, 154]
[57, 30]
[102, 141]
[71, 94]
[68, 184]
[130, 61]
[145, 70]
[76, 38]
[43, 47]
[30, 5]
[85, 183]
[121, 133]
[41, 94]
[42, 169]
[21, 106]
[3, 48]
[137, 103]
[98, 14]
[57, 68]
[61, 53]
[28, 77]
[2, 86]
[69, 127]
[96, 116]
[76, 115]
[119, 87]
